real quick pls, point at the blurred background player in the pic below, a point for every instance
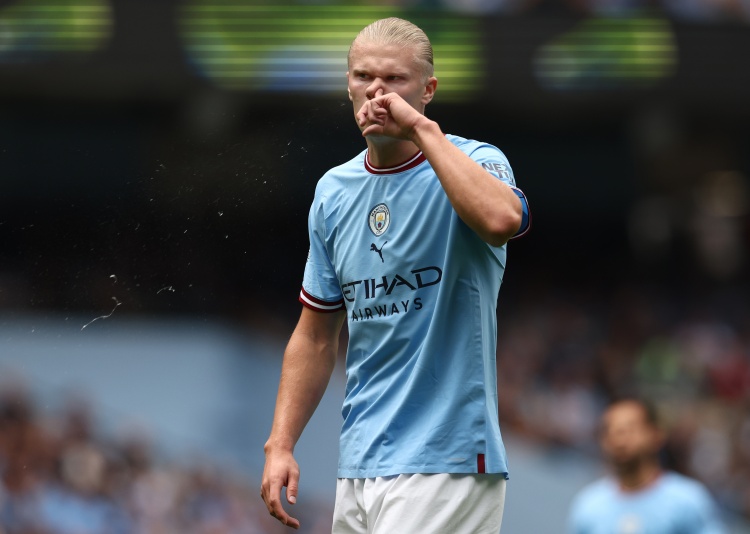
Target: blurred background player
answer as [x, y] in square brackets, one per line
[407, 243]
[640, 497]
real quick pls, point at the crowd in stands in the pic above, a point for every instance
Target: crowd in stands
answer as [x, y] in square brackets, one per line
[691, 10]
[58, 477]
[562, 358]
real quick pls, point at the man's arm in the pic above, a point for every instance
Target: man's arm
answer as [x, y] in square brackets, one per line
[708, 520]
[484, 203]
[487, 205]
[309, 359]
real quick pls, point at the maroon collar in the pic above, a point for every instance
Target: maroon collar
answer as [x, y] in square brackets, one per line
[412, 162]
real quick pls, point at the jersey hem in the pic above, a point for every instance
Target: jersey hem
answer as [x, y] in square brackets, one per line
[372, 473]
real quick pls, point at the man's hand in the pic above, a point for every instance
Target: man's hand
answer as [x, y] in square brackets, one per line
[309, 359]
[281, 470]
[388, 115]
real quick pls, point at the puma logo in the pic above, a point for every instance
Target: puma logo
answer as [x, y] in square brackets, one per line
[378, 250]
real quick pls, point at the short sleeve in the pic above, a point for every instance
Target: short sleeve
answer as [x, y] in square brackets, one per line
[494, 161]
[321, 290]
[706, 518]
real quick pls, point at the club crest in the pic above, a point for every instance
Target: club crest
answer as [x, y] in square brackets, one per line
[380, 219]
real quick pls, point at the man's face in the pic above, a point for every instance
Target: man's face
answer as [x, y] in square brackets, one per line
[380, 69]
[627, 438]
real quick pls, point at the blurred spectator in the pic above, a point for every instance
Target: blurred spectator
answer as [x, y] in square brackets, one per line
[704, 10]
[58, 477]
[478, 7]
[559, 364]
[23, 458]
[610, 7]
[710, 11]
[639, 495]
[562, 357]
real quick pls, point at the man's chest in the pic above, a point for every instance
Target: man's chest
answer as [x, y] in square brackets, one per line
[390, 227]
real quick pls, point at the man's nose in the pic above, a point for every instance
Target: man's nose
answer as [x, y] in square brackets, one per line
[375, 89]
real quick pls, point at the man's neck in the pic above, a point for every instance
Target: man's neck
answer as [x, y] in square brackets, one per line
[639, 478]
[385, 152]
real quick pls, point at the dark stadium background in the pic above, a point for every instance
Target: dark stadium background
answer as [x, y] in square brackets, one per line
[135, 182]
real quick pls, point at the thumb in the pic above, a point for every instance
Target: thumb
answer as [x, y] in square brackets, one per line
[291, 490]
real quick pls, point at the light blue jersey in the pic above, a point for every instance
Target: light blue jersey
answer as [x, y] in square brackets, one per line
[420, 291]
[674, 504]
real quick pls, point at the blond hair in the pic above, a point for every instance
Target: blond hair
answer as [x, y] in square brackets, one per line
[396, 31]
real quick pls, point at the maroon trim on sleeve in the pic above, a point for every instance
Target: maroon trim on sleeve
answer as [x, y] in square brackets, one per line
[320, 305]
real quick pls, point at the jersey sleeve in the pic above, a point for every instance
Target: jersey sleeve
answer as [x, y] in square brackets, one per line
[703, 516]
[321, 290]
[494, 161]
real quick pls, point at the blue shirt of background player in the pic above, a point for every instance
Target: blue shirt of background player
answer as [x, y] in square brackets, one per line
[673, 504]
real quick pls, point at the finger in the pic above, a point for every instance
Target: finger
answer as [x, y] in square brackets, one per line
[363, 114]
[287, 520]
[271, 493]
[372, 115]
[372, 129]
[379, 92]
[277, 510]
[292, 487]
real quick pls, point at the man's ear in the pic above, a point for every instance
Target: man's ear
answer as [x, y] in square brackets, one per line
[348, 91]
[429, 90]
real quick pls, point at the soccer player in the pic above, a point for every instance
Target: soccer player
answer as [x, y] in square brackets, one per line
[640, 497]
[407, 244]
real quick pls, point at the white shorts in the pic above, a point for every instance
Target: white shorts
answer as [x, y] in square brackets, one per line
[420, 504]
